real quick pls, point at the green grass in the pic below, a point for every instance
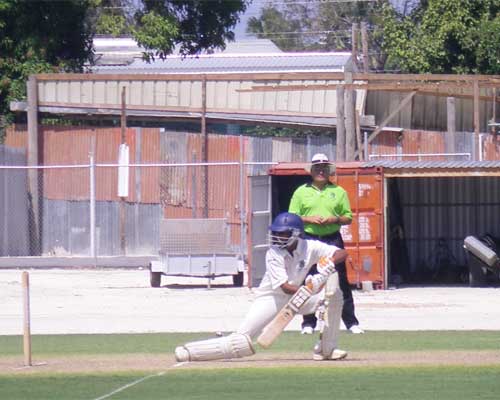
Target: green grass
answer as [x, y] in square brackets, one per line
[420, 383]
[46, 345]
[290, 383]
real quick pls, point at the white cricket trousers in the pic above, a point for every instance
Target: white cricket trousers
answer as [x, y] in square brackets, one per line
[266, 306]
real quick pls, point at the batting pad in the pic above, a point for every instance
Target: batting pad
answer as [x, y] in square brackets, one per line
[333, 312]
[236, 345]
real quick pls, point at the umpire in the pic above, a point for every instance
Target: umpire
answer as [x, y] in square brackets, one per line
[324, 208]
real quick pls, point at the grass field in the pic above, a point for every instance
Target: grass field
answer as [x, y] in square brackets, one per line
[381, 365]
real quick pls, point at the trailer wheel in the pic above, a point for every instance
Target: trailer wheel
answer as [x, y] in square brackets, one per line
[238, 279]
[155, 279]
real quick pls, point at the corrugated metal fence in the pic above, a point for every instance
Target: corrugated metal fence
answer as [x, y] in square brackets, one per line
[164, 183]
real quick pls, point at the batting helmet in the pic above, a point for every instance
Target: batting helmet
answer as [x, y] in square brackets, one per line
[286, 229]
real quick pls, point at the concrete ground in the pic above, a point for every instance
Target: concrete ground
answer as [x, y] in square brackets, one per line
[121, 301]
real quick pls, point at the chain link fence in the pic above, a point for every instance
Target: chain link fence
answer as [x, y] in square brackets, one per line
[94, 210]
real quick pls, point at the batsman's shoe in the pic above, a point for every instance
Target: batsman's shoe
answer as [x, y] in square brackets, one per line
[181, 354]
[337, 354]
[356, 330]
[307, 330]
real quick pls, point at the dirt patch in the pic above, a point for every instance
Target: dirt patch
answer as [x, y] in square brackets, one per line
[148, 362]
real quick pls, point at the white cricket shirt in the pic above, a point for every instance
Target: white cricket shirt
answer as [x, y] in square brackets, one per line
[281, 266]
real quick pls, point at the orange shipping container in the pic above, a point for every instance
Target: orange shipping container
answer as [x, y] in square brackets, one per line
[363, 238]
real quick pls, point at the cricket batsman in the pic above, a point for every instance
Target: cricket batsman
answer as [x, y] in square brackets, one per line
[280, 297]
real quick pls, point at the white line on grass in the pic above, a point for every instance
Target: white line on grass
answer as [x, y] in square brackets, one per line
[121, 389]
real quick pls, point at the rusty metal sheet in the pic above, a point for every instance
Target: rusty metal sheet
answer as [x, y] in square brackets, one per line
[492, 147]
[424, 142]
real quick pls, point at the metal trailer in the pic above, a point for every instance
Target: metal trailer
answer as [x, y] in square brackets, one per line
[197, 248]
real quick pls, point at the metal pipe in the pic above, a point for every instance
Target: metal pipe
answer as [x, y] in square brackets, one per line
[372, 156]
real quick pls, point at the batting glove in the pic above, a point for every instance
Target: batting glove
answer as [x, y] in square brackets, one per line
[326, 266]
[316, 282]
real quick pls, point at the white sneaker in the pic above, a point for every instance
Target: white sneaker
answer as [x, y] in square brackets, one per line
[356, 329]
[307, 330]
[336, 355]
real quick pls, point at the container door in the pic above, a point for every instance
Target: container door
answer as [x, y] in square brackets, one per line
[364, 238]
[260, 219]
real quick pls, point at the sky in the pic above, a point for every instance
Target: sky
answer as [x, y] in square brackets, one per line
[253, 10]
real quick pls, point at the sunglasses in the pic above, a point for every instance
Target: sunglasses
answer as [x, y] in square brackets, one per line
[320, 168]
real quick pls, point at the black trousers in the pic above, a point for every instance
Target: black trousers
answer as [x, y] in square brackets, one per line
[348, 315]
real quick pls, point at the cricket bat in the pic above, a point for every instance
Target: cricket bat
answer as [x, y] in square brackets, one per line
[274, 328]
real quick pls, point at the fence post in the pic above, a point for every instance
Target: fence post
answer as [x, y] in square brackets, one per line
[92, 204]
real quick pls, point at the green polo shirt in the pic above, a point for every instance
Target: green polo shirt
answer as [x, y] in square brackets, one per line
[307, 200]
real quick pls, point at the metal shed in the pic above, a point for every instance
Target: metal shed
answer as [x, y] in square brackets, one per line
[410, 218]
[430, 207]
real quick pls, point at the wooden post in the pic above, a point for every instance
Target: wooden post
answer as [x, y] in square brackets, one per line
[123, 116]
[476, 120]
[92, 195]
[451, 125]
[350, 123]
[138, 185]
[27, 319]
[391, 115]
[340, 92]
[205, 143]
[358, 135]
[122, 215]
[354, 43]
[33, 174]
[194, 192]
[364, 47]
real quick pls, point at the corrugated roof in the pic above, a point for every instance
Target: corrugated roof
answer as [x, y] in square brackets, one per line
[249, 62]
[122, 51]
[251, 46]
[395, 164]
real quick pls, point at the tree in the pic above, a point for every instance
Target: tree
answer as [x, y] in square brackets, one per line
[112, 17]
[55, 36]
[318, 25]
[444, 36]
[37, 37]
[194, 25]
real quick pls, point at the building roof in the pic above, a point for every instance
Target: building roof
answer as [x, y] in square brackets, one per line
[123, 51]
[248, 62]
[463, 164]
